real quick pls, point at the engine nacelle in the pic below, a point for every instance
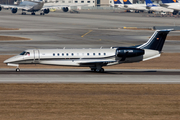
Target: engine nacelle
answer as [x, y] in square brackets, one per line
[0, 8]
[46, 11]
[65, 9]
[175, 12]
[14, 10]
[124, 52]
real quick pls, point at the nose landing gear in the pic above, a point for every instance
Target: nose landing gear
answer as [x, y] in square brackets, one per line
[17, 69]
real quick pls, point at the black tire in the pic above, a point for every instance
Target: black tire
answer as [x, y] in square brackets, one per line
[102, 70]
[17, 70]
[93, 69]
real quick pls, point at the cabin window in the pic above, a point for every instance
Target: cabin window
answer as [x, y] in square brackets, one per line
[63, 1]
[94, 54]
[99, 53]
[104, 53]
[88, 1]
[58, 54]
[66, 54]
[82, 1]
[69, 1]
[72, 54]
[110, 1]
[93, 1]
[62, 54]
[53, 54]
[76, 1]
[88, 54]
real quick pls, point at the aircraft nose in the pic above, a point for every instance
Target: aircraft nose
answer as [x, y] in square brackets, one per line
[11, 60]
[7, 61]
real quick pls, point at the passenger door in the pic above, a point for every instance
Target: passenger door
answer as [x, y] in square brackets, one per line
[36, 56]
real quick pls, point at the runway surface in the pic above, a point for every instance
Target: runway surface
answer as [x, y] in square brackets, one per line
[86, 76]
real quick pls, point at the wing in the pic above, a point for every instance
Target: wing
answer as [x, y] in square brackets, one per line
[16, 6]
[8, 6]
[163, 5]
[56, 6]
[102, 62]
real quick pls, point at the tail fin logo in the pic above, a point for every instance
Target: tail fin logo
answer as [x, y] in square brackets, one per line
[174, 1]
[124, 0]
[115, 0]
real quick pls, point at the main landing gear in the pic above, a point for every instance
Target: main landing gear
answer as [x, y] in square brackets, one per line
[101, 70]
[23, 13]
[33, 13]
[41, 13]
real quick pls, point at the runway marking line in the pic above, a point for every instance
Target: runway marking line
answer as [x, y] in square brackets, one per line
[87, 33]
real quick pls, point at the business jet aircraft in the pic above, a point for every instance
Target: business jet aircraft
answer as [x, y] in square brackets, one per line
[152, 7]
[93, 58]
[136, 7]
[171, 4]
[34, 6]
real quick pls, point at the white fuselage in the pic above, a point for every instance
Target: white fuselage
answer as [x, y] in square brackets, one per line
[76, 57]
[160, 9]
[173, 6]
[34, 6]
[135, 6]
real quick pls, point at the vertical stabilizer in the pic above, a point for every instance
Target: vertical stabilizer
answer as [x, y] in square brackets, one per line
[169, 1]
[127, 2]
[149, 3]
[156, 41]
[117, 2]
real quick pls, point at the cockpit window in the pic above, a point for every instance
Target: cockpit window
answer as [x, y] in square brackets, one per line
[23, 53]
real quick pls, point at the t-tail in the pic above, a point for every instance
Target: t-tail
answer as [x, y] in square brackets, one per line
[156, 41]
[127, 2]
[117, 2]
[149, 3]
[169, 1]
